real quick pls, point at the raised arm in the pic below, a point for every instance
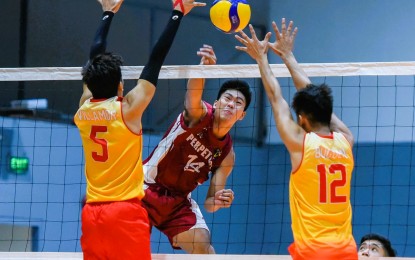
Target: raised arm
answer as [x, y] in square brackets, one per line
[194, 109]
[137, 100]
[283, 47]
[291, 133]
[99, 44]
[337, 125]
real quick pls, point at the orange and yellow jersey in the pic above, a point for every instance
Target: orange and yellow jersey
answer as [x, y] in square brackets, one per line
[113, 162]
[320, 206]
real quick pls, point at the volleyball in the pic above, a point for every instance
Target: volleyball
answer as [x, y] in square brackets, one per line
[230, 16]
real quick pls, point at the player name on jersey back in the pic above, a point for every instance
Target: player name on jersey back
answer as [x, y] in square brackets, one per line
[323, 152]
[97, 115]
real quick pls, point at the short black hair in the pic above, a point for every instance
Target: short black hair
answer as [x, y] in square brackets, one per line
[316, 102]
[239, 85]
[102, 75]
[385, 242]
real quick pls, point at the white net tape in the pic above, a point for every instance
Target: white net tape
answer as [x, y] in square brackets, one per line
[218, 71]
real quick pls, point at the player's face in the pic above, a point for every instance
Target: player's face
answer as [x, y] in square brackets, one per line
[231, 105]
[372, 248]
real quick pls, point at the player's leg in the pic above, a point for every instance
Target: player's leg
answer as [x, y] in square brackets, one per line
[194, 241]
[127, 233]
[180, 219]
[91, 233]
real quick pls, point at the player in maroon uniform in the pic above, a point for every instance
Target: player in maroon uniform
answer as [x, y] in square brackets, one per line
[196, 144]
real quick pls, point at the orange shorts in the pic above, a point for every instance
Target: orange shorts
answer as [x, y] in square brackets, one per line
[323, 252]
[115, 230]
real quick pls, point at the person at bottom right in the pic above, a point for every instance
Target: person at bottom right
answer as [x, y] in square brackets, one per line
[375, 245]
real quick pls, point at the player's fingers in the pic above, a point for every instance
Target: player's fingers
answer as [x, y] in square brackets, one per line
[294, 33]
[205, 53]
[240, 39]
[283, 26]
[228, 193]
[207, 46]
[199, 4]
[209, 60]
[201, 54]
[227, 202]
[267, 37]
[229, 197]
[210, 57]
[208, 51]
[243, 35]
[290, 27]
[276, 30]
[240, 48]
[253, 34]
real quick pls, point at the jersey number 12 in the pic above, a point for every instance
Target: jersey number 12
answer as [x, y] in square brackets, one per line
[331, 187]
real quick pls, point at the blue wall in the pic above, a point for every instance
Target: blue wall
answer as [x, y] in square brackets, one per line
[350, 31]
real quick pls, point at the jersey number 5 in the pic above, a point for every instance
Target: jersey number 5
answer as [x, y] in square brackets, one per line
[102, 142]
[333, 185]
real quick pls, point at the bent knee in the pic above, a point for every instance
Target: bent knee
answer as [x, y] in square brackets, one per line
[202, 248]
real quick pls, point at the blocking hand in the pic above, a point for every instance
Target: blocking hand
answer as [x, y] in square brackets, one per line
[111, 5]
[207, 54]
[185, 6]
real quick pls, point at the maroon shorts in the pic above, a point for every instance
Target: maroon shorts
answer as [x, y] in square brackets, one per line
[171, 214]
[115, 230]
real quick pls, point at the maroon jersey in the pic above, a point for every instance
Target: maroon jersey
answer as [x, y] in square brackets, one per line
[185, 156]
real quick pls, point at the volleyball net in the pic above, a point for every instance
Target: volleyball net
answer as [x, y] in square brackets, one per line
[42, 180]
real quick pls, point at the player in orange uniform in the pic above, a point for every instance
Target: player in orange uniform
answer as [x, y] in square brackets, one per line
[114, 223]
[320, 148]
